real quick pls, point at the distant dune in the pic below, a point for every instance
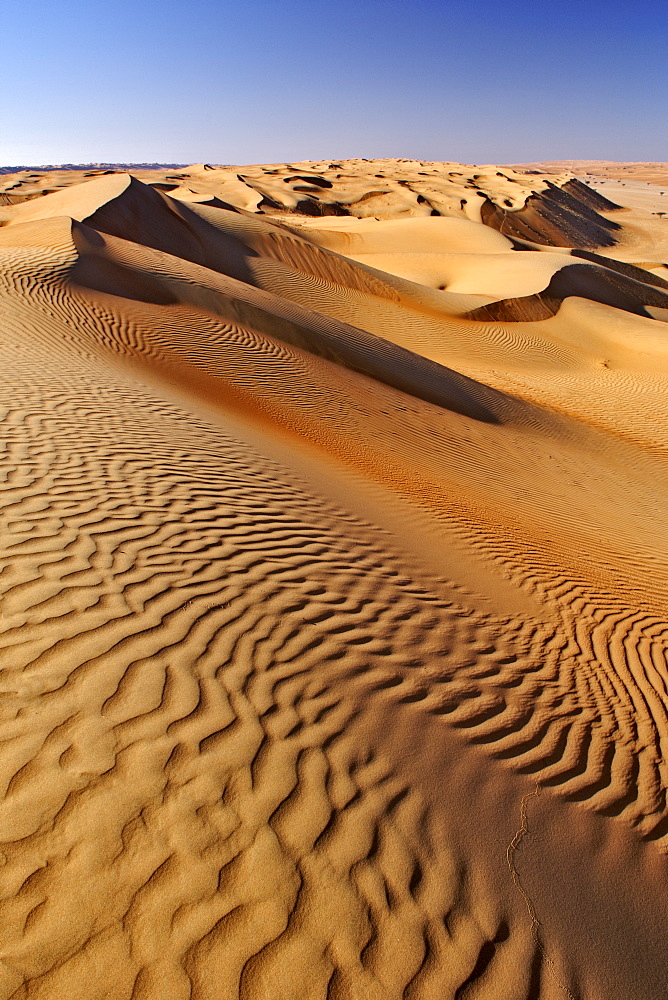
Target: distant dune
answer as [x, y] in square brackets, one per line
[334, 578]
[91, 166]
[656, 172]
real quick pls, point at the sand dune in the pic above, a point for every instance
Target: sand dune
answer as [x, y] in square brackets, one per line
[334, 575]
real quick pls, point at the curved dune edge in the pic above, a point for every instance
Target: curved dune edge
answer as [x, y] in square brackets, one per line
[604, 285]
[256, 739]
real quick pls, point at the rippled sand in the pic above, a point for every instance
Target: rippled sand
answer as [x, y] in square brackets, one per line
[334, 584]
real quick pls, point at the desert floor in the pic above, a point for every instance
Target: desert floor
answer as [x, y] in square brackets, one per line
[334, 583]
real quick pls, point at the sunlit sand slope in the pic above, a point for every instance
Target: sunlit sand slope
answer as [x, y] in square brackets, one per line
[334, 583]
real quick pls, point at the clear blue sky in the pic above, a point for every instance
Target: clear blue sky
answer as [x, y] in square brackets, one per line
[256, 81]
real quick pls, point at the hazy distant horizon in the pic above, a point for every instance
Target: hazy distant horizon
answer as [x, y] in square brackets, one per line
[95, 165]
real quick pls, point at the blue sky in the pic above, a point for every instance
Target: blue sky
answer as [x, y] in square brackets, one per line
[270, 80]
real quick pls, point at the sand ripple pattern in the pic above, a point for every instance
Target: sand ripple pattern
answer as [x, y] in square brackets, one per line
[249, 746]
[185, 661]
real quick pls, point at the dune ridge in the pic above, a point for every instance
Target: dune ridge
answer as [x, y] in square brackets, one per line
[334, 575]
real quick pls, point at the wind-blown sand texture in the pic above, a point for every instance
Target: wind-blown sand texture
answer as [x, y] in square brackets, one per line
[334, 585]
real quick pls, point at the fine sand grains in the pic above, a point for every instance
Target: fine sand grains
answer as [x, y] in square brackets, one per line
[333, 572]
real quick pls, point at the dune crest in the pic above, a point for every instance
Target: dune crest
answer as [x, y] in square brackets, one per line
[334, 579]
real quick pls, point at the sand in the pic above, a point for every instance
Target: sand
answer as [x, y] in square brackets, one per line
[334, 578]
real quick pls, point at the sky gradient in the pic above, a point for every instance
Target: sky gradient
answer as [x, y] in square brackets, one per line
[258, 81]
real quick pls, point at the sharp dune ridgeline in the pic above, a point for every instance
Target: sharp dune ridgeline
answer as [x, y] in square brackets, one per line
[334, 575]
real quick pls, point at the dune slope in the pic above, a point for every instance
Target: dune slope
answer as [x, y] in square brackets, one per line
[334, 580]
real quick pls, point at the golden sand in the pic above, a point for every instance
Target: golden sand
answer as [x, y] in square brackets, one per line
[334, 584]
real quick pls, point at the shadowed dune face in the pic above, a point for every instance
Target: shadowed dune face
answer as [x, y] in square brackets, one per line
[333, 561]
[559, 216]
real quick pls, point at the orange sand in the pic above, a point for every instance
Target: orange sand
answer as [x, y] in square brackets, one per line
[334, 579]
